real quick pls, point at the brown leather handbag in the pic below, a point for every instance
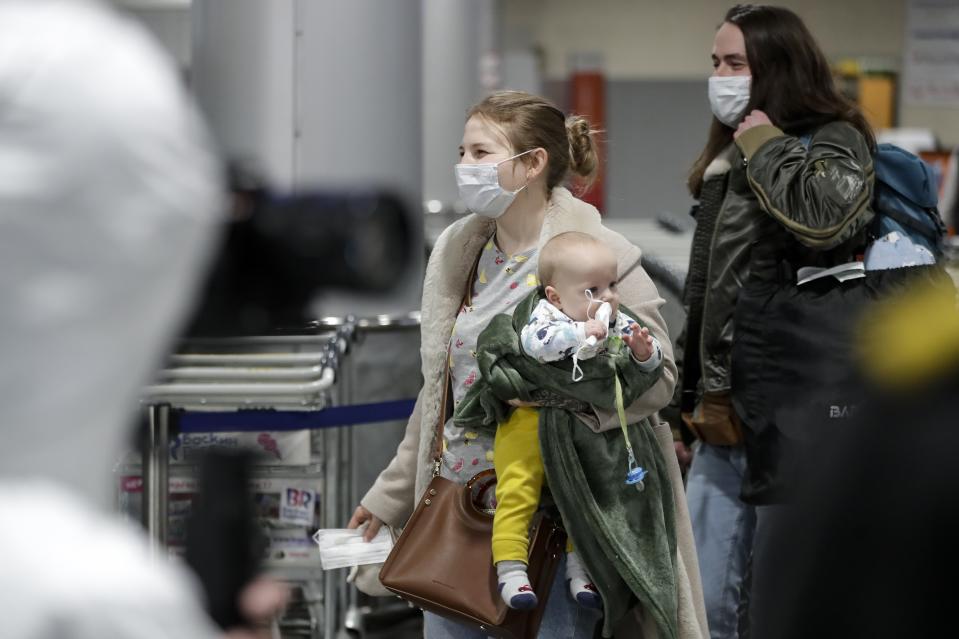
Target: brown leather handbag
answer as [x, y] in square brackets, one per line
[443, 560]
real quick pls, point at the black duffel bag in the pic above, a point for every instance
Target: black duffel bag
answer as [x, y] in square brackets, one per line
[795, 368]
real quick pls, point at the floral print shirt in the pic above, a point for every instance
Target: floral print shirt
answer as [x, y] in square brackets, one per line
[501, 282]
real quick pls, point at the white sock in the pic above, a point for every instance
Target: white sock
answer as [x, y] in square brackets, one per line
[514, 586]
[581, 584]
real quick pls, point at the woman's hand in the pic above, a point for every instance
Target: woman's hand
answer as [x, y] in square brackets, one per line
[756, 118]
[360, 516]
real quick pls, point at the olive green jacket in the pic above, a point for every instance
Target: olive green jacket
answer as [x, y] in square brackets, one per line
[768, 202]
[626, 538]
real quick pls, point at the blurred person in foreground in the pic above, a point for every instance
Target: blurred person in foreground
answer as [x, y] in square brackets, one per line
[867, 548]
[109, 202]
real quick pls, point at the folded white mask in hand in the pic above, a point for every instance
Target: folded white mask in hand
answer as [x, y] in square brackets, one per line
[340, 547]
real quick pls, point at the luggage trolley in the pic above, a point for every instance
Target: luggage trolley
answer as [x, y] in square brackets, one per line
[261, 389]
[265, 388]
[384, 366]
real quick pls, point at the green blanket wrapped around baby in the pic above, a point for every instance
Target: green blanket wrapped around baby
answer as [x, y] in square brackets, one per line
[626, 538]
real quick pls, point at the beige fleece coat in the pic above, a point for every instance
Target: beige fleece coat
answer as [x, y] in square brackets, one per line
[402, 483]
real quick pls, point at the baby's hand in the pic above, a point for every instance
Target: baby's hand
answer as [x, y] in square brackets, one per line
[640, 342]
[595, 328]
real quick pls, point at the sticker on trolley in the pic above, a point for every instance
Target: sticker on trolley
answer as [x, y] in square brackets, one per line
[287, 547]
[286, 448]
[287, 502]
[297, 506]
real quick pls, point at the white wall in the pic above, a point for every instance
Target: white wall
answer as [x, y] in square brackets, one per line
[672, 39]
[943, 121]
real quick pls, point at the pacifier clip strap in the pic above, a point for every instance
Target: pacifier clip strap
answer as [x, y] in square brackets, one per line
[634, 472]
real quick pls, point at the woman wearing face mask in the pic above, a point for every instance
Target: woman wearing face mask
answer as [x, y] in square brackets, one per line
[787, 158]
[516, 153]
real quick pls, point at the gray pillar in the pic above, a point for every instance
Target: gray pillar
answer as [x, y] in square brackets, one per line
[451, 83]
[323, 96]
[243, 77]
[359, 115]
[456, 37]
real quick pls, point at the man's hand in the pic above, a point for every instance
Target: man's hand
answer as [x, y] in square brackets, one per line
[756, 118]
[261, 602]
[683, 455]
[640, 342]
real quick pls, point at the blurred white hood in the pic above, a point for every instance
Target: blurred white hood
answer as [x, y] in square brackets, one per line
[109, 199]
[109, 196]
[70, 573]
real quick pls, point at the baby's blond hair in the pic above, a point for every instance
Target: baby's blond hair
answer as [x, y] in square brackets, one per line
[554, 252]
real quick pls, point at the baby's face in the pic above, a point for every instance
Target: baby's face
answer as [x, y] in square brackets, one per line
[584, 269]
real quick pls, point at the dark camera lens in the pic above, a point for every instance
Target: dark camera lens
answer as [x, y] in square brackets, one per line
[283, 250]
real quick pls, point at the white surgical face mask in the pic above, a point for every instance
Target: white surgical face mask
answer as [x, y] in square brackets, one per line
[479, 188]
[728, 97]
[603, 314]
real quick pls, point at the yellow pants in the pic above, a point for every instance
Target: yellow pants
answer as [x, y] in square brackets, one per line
[519, 481]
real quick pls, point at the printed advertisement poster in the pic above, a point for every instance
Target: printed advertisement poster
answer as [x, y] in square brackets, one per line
[289, 512]
[931, 70]
[276, 448]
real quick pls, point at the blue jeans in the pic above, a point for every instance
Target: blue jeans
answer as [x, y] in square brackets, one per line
[564, 618]
[724, 528]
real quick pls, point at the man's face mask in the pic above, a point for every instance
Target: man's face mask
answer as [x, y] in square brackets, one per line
[728, 97]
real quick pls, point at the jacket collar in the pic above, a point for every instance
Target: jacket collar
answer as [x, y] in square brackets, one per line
[443, 291]
[722, 163]
[563, 213]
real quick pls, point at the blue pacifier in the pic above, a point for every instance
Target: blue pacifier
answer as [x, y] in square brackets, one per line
[636, 475]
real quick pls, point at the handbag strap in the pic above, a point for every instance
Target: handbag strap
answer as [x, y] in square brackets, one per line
[437, 446]
[441, 422]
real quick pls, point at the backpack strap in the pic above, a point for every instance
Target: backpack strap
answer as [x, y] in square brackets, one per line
[916, 226]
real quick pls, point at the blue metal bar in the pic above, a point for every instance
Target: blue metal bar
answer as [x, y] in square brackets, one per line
[279, 420]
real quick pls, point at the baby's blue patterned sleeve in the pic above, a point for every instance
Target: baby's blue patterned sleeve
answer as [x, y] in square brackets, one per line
[622, 324]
